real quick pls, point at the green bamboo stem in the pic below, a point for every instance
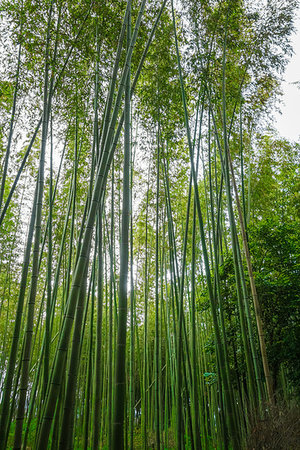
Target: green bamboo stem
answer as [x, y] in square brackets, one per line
[257, 308]
[120, 375]
[53, 87]
[34, 277]
[12, 119]
[230, 408]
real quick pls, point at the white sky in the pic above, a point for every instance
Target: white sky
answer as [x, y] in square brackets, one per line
[288, 123]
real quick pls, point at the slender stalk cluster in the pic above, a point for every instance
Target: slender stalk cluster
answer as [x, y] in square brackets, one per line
[131, 317]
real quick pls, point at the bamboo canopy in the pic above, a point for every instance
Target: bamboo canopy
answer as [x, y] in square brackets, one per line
[149, 226]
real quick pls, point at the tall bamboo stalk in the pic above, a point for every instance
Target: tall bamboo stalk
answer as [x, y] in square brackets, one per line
[120, 375]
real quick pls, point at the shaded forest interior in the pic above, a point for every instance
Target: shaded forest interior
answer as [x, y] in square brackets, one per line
[149, 226]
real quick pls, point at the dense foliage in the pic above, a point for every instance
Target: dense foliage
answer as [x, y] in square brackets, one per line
[149, 224]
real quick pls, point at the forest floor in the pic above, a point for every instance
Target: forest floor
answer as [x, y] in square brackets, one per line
[279, 431]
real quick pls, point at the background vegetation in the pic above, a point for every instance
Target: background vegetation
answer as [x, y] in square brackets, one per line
[149, 214]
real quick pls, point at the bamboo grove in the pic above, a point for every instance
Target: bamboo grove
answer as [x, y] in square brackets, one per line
[131, 134]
